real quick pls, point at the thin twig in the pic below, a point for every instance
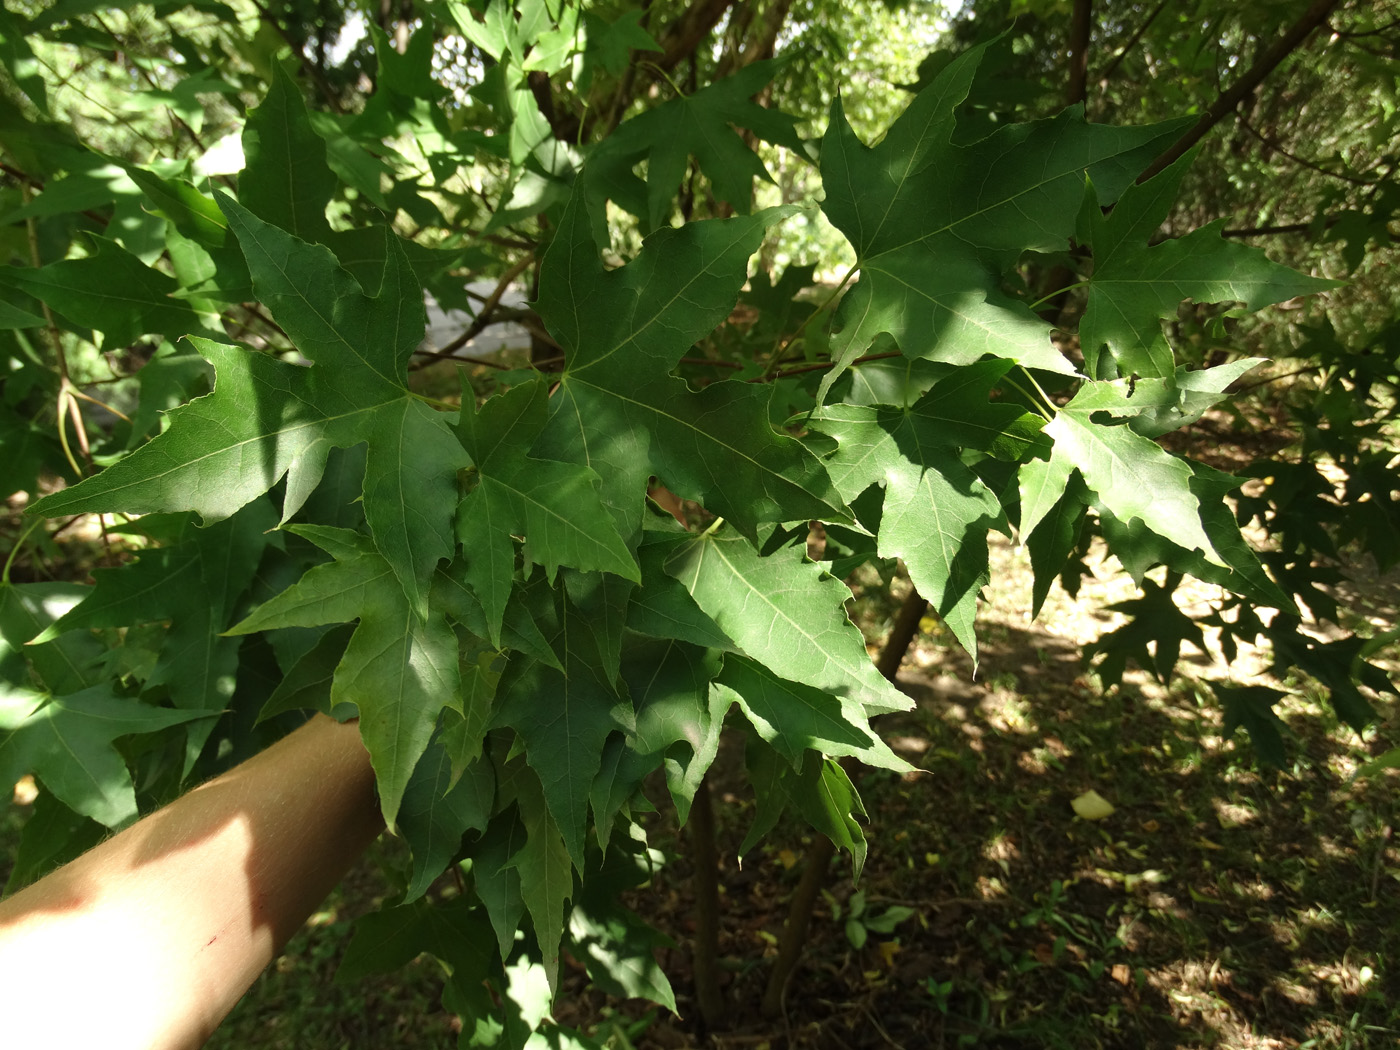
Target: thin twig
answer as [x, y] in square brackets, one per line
[488, 306]
[1299, 32]
[322, 85]
[1303, 161]
[778, 354]
[448, 355]
[1132, 40]
[822, 365]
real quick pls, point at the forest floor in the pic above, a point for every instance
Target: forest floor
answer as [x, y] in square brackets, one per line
[1220, 904]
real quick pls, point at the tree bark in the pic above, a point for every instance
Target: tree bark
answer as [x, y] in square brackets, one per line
[683, 36]
[704, 959]
[819, 854]
[1080, 25]
[902, 633]
[794, 937]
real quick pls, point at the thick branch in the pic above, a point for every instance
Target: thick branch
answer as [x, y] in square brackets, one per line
[902, 633]
[1225, 104]
[1079, 28]
[794, 937]
[564, 126]
[683, 36]
[705, 950]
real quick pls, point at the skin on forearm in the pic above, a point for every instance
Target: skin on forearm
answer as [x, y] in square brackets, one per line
[149, 939]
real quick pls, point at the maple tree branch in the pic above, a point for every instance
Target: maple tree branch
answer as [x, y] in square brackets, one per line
[150, 79]
[705, 361]
[678, 41]
[821, 366]
[1080, 28]
[705, 947]
[488, 305]
[37, 183]
[778, 353]
[684, 35]
[794, 936]
[822, 849]
[1277, 147]
[447, 355]
[1274, 379]
[564, 127]
[317, 77]
[1108, 70]
[1284, 46]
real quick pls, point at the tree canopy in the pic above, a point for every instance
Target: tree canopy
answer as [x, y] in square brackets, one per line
[808, 286]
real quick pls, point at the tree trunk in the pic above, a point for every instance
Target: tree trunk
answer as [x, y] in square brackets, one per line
[705, 948]
[902, 634]
[1080, 25]
[794, 937]
[819, 854]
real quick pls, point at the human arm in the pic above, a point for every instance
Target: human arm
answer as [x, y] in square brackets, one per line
[149, 939]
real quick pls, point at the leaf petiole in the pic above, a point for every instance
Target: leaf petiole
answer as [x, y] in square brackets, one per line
[14, 551]
[446, 405]
[777, 357]
[1058, 291]
[1047, 416]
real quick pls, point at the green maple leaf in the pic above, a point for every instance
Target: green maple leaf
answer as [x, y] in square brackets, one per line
[662, 607]
[437, 811]
[1158, 405]
[193, 585]
[820, 790]
[1135, 286]
[554, 506]
[497, 883]
[286, 181]
[786, 613]
[67, 742]
[267, 418]
[1131, 475]
[678, 722]
[111, 291]
[1054, 536]
[451, 931]
[610, 45]
[183, 99]
[619, 950]
[205, 255]
[400, 669]
[546, 874]
[620, 411]
[794, 717]
[66, 664]
[701, 125]
[938, 226]
[563, 718]
[936, 511]
[1240, 571]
